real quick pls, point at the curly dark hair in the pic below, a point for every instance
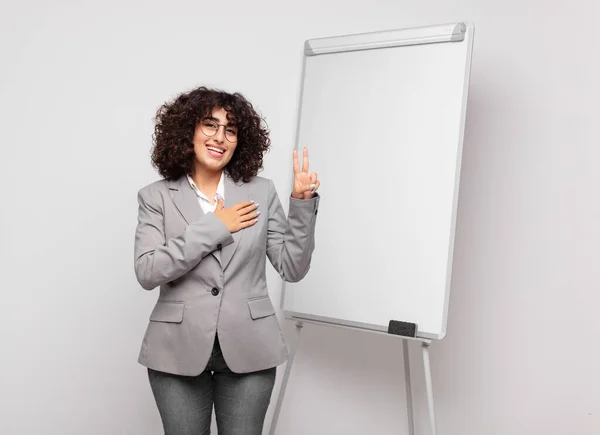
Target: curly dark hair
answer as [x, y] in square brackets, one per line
[175, 123]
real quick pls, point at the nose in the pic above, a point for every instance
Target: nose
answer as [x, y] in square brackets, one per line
[220, 134]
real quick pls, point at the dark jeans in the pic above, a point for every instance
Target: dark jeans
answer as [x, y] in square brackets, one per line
[185, 402]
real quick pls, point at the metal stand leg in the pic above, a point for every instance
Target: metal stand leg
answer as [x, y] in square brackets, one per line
[428, 384]
[409, 403]
[284, 382]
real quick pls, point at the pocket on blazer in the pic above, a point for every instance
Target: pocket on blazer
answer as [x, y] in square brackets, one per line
[261, 307]
[170, 312]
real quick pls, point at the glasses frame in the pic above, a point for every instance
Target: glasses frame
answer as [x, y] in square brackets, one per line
[202, 121]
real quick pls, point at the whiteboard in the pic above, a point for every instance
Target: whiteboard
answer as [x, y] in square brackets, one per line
[383, 120]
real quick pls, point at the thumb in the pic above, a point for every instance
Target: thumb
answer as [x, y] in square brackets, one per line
[220, 204]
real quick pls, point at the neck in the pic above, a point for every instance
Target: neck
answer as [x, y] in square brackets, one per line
[206, 181]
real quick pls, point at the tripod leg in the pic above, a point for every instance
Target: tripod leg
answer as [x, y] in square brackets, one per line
[428, 384]
[284, 382]
[409, 402]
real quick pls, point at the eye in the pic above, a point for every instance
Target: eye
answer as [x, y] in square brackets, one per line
[232, 131]
[210, 124]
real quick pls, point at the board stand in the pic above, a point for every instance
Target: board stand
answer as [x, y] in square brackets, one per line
[425, 343]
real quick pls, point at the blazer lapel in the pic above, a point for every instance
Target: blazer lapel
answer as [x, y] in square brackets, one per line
[234, 193]
[185, 199]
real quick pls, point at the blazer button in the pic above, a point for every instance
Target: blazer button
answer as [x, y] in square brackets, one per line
[219, 246]
[215, 291]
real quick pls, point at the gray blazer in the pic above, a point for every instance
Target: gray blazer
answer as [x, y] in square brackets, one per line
[212, 281]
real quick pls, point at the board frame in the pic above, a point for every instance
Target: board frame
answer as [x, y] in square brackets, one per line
[443, 33]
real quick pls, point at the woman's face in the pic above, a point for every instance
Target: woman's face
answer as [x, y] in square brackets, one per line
[214, 142]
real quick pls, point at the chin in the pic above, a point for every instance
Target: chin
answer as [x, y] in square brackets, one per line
[215, 166]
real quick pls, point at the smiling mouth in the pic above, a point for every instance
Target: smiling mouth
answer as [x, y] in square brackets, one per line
[215, 151]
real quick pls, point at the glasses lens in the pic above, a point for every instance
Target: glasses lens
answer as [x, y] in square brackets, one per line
[231, 134]
[209, 128]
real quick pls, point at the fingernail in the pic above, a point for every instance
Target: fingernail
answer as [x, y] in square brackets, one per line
[257, 213]
[312, 186]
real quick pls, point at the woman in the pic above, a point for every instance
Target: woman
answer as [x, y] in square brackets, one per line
[203, 235]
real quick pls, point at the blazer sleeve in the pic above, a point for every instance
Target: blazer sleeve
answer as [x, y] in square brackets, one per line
[291, 241]
[157, 260]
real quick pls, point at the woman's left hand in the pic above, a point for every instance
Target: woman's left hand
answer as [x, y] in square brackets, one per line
[305, 184]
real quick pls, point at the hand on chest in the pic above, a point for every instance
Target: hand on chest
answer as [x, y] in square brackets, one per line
[184, 207]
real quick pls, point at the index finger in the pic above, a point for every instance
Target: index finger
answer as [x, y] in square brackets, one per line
[243, 204]
[296, 164]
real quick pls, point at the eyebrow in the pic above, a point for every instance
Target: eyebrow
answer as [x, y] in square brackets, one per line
[217, 120]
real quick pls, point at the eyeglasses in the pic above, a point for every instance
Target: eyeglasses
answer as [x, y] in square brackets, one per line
[210, 128]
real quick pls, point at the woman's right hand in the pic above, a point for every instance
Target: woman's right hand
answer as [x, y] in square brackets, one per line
[239, 216]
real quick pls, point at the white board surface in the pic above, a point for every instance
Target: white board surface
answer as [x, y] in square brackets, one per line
[384, 129]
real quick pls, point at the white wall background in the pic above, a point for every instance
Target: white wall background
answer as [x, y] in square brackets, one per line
[79, 84]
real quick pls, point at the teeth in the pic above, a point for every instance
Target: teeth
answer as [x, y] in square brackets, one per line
[216, 150]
